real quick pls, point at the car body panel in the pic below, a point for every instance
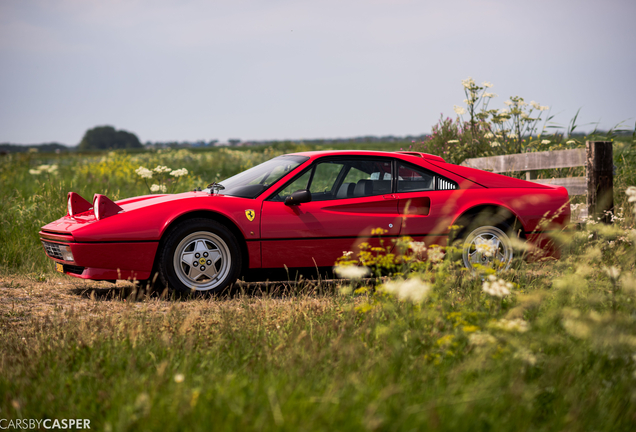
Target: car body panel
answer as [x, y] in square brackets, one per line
[314, 233]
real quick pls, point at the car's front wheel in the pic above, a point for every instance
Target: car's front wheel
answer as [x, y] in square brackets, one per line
[200, 255]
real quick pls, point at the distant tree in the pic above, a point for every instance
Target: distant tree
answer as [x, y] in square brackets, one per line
[106, 137]
[234, 141]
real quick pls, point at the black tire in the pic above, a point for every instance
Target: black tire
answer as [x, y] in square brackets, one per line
[199, 256]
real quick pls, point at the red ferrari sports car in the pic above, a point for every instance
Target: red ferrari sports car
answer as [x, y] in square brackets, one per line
[301, 210]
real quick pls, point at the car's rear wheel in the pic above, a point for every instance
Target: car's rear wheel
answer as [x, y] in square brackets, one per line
[489, 246]
[200, 255]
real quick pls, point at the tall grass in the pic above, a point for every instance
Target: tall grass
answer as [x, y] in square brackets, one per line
[439, 350]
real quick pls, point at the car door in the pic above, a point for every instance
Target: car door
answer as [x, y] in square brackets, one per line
[351, 196]
[426, 203]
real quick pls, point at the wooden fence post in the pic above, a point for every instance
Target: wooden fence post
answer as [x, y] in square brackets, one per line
[600, 179]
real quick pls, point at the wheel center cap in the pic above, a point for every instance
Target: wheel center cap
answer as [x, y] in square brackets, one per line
[201, 261]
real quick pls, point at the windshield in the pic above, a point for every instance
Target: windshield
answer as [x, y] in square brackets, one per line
[254, 181]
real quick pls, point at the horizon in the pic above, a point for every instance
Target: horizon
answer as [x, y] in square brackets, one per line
[290, 71]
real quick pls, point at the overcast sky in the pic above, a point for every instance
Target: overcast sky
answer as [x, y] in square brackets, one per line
[281, 69]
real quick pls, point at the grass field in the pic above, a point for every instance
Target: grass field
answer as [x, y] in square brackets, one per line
[558, 352]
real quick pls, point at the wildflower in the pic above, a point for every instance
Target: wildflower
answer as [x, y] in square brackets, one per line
[612, 272]
[486, 84]
[508, 102]
[535, 105]
[459, 110]
[496, 288]
[494, 144]
[545, 141]
[351, 272]
[144, 172]
[504, 112]
[34, 172]
[413, 289]
[179, 172]
[513, 325]
[435, 254]
[489, 135]
[161, 169]
[469, 82]
[486, 247]
[490, 95]
[631, 193]
[158, 188]
[570, 142]
[417, 247]
[178, 378]
[481, 339]
[347, 253]
[544, 108]
[452, 141]
[526, 356]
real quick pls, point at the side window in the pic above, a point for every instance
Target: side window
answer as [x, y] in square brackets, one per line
[325, 176]
[366, 178]
[413, 179]
[299, 184]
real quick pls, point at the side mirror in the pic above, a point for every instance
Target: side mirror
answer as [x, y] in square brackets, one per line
[298, 197]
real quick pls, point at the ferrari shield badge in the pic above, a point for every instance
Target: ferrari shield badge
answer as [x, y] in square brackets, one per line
[249, 214]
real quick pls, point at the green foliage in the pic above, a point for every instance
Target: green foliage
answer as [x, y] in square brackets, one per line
[107, 138]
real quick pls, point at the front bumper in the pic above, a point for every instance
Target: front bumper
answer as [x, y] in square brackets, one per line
[103, 260]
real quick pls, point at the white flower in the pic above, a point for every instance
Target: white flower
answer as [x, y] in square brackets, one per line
[513, 325]
[525, 116]
[179, 172]
[161, 169]
[480, 339]
[158, 188]
[508, 102]
[144, 172]
[494, 144]
[526, 356]
[486, 247]
[417, 247]
[489, 135]
[178, 378]
[496, 288]
[459, 110]
[347, 253]
[545, 141]
[413, 289]
[521, 103]
[452, 141]
[504, 112]
[435, 254]
[351, 272]
[486, 84]
[631, 193]
[544, 108]
[570, 142]
[469, 82]
[490, 95]
[612, 272]
[34, 172]
[535, 105]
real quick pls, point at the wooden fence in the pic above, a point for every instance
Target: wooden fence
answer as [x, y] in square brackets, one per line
[597, 185]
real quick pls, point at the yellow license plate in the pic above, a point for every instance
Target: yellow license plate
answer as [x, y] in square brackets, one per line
[59, 267]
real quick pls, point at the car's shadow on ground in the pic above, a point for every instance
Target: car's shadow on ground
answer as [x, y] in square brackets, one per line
[270, 284]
